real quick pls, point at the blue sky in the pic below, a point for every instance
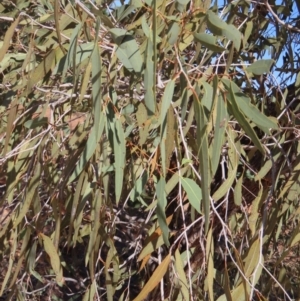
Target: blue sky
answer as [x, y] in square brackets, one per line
[267, 55]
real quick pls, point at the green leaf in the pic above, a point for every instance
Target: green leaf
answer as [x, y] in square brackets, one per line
[120, 154]
[166, 101]
[232, 163]
[250, 111]
[31, 124]
[221, 28]
[143, 122]
[184, 287]
[220, 125]
[204, 159]
[99, 123]
[128, 50]
[145, 26]
[150, 100]
[295, 237]
[194, 193]
[238, 191]
[8, 36]
[54, 258]
[237, 294]
[255, 211]
[209, 41]
[252, 259]
[83, 52]
[89, 294]
[30, 195]
[72, 50]
[260, 67]
[233, 106]
[160, 209]
[210, 266]
[173, 33]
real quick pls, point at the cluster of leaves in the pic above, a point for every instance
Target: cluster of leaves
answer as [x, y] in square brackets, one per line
[162, 109]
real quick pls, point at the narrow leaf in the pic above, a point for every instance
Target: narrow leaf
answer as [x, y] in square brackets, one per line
[204, 159]
[233, 106]
[7, 39]
[54, 258]
[194, 193]
[184, 288]
[160, 210]
[154, 279]
[250, 111]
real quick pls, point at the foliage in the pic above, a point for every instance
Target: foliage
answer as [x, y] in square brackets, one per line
[147, 150]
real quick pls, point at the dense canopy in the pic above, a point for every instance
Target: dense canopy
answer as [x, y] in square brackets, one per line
[149, 150]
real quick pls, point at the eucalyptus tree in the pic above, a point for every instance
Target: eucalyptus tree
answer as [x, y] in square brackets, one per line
[149, 150]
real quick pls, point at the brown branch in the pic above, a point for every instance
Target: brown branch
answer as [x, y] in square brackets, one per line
[289, 27]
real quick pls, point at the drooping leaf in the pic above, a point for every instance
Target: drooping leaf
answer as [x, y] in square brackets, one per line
[184, 287]
[161, 207]
[99, 123]
[243, 121]
[54, 258]
[221, 28]
[210, 266]
[127, 50]
[260, 67]
[220, 125]
[204, 158]
[154, 280]
[194, 193]
[7, 39]
[149, 78]
[166, 101]
[209, 41]
[233, 159]
[249, 110]
[173, 33]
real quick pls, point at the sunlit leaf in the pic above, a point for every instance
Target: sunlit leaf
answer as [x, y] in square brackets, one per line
[54, 258]
[243, 121]
[193, 191]
[161, 207]
[250, 111]
[260, 67]
[182, 277]
[154, 280]
[7, 39]
[221, 28]
[204, 158]
[166, 101]
[127, 50]
[208, 41]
